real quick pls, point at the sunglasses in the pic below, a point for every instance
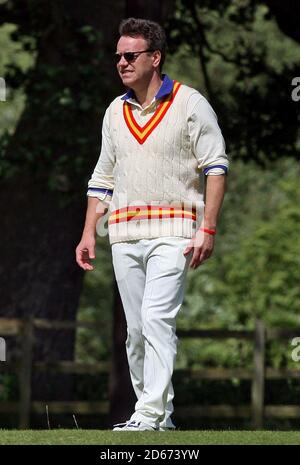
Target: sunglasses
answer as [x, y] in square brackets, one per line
[130, 56]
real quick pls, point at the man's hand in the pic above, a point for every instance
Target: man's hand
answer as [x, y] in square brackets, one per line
[85, 252]
[202, 246]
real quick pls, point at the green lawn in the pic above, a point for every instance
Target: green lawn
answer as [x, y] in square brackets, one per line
[103, 437]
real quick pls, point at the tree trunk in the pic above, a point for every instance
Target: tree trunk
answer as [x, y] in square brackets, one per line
[51, 156]
[37, 273]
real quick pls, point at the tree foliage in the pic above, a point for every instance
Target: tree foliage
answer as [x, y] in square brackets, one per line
[247, 65]
[62, 91]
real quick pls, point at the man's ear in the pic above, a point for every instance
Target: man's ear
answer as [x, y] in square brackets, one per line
[156, 58]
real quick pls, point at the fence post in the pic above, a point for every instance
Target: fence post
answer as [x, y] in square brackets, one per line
[27, 340]
[258, 380]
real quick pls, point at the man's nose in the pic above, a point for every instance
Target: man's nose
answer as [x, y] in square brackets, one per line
[123, 61]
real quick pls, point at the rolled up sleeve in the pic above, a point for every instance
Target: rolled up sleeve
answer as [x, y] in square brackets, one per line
[101, 183]
[206, 138]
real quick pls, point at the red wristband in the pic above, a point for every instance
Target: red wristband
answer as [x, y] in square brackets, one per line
[212, 232]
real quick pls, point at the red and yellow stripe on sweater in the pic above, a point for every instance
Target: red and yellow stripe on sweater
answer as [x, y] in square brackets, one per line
[149, 212]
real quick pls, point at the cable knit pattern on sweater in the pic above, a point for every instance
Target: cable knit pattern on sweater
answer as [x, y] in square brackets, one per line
[166, 170]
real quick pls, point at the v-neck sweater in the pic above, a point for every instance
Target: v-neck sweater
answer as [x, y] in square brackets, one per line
[152, 164]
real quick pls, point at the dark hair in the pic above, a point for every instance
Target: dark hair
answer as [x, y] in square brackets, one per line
[151, 31]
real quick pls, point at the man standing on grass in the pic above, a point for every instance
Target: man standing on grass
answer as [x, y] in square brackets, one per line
[156, 141]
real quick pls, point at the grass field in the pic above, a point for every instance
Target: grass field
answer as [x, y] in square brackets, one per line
[103, 437]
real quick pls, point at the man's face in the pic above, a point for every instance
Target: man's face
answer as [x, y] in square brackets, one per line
[137, 72]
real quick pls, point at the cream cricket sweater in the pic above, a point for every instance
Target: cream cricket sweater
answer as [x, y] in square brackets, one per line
[151, 160]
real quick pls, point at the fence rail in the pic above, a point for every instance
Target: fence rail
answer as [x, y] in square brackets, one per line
[258, 375]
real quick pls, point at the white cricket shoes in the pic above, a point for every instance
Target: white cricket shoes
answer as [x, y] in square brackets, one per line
[132, 425]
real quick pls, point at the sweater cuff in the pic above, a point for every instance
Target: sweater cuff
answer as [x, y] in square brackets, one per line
[215, 170]
[101, 193]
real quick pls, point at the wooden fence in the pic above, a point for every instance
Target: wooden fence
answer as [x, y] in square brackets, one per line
[257, 411]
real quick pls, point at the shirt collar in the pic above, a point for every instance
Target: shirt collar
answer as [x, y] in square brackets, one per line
[165, 89]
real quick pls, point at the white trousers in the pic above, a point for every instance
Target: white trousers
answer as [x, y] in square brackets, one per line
[151, 275]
